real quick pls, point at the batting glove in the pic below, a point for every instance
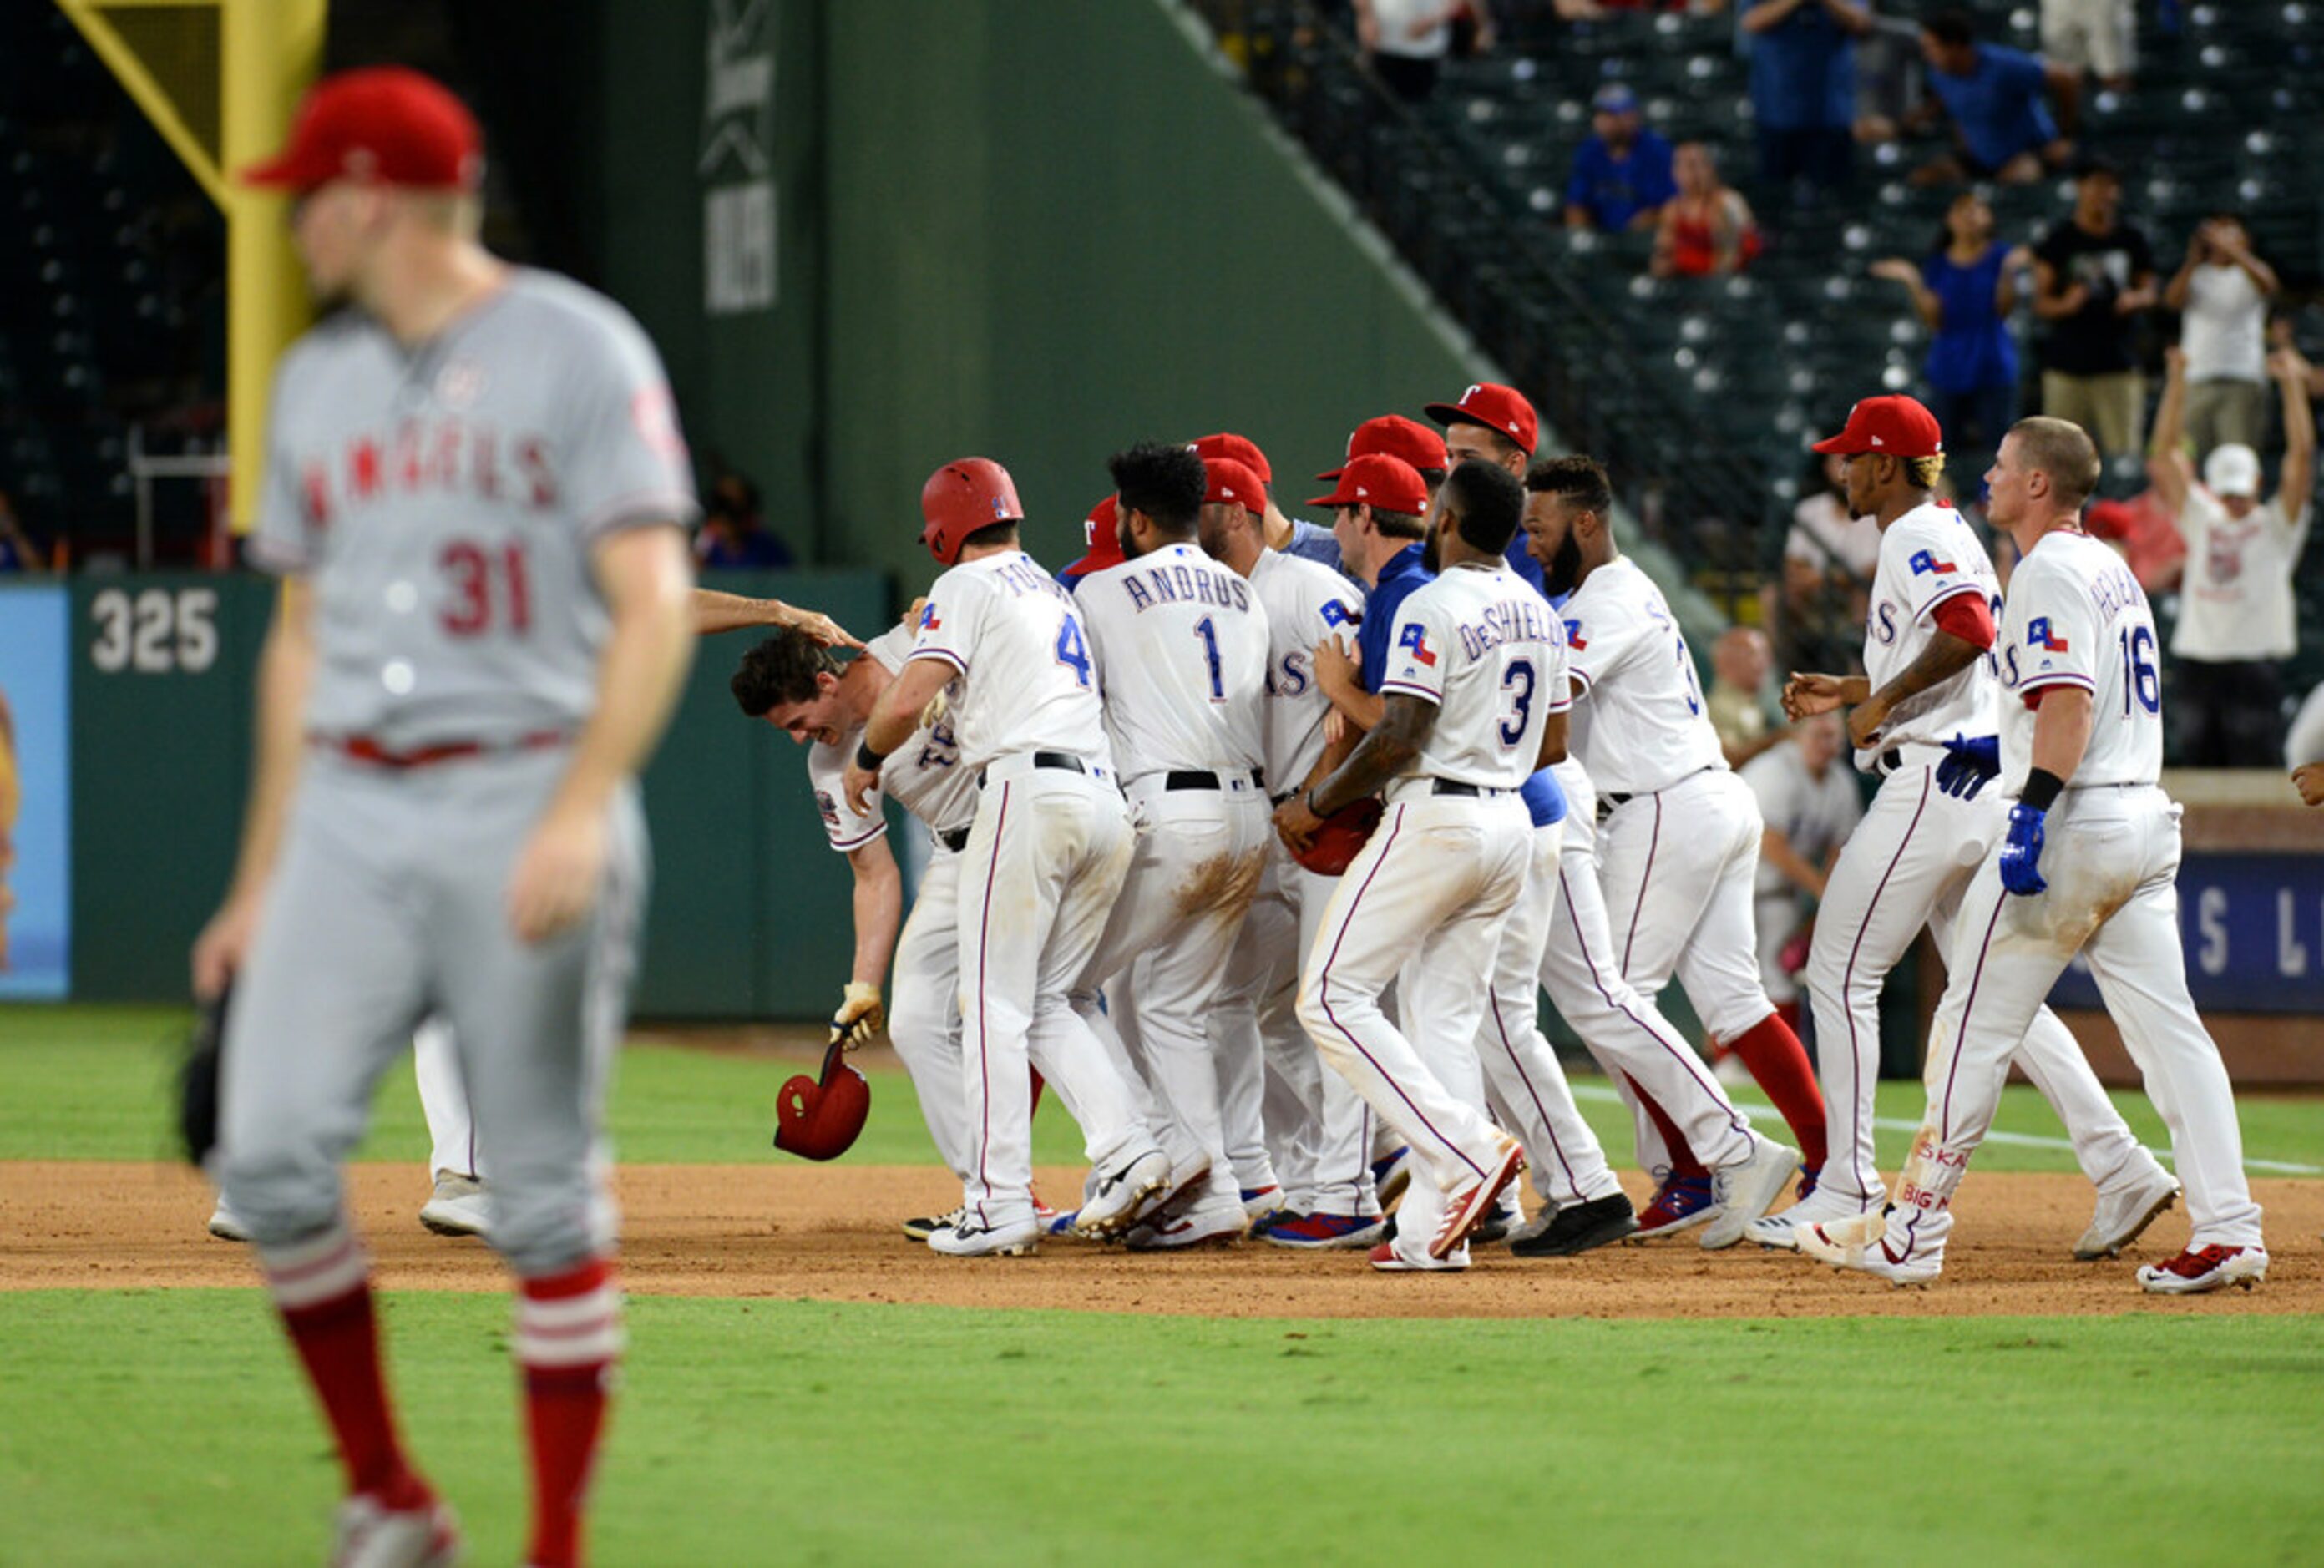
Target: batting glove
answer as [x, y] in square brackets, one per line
[2021, 852]
[859, 1016]
[1970, 763]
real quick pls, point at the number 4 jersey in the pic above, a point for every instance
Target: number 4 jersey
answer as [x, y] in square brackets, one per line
[1639, 723]
[444, 499]
[1488, 651]
[2077, 617]
[1181, 644]
[1027, 682]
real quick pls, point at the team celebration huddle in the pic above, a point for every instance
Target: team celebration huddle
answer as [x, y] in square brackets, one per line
[1258, 844]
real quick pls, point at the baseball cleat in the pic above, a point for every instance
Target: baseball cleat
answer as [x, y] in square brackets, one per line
[1578, 1228]
[1743, 1193]
[927, 1225]
[457, 1207]
[1861, 1244]
[226, 1225]
[2121, 1216]
[2199, 1270]
[1208, 1222]
[1322, 1233]
[1504, 1220]
[1817, 1208]
[1391, 1174]
[1389, 1260]
[1021, 1239]
[1467, 1209]
[1679, 1203]
[1260, 1204]
[373, 1537]
[1125, 1196]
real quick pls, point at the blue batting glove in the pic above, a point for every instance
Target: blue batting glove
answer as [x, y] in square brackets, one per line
[2021, 852]
[1970, 763]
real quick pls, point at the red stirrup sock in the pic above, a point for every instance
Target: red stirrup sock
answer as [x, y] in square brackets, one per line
[1683, 1163]
[568, 1335]
[1780, 1065]
[322, 1287]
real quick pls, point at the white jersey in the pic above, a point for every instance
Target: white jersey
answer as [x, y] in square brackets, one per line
[2235, 602]
[1479, 643]
[1639, 722]
[2077, 617]
[1928, 556]
[1305, 604]
[1181, 645]
[1028, 681]
[1815, 815]
[923, 774]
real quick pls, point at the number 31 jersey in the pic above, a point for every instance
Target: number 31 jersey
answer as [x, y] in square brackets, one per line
[2077, 617]
[1181, 644]
[1483, 646]
[444, 499]
[1640, 723]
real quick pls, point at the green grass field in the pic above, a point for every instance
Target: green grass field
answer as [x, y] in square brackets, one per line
[148, 1427]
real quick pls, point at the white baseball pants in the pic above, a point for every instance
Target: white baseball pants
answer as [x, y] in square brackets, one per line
[444, 1101]
[924, 1011]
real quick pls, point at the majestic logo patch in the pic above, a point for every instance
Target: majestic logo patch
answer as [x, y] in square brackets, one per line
[2039, 635]
[1927, 561]
[1415, 639]
[1574, 636]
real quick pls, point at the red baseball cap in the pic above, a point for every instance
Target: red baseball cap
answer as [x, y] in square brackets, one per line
[1379, 481]
[1232, 483]
[1894, 427]
[1396, 436]
[1103, 527]
[1496, 408]
[383, 123]
[1242, 449]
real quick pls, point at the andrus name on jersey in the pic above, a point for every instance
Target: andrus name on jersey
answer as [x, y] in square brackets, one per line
[429, 455]
[1186, 585]
[1510, 621]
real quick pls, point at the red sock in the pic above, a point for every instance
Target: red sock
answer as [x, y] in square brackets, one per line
[568, 1333]
[1038, 1085]
[1683, 1163]
[323, 1290]
[1779, 1064]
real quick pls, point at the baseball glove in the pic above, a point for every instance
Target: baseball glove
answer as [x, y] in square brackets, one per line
[860, 1017]
[197, 1078]
[1343, 833]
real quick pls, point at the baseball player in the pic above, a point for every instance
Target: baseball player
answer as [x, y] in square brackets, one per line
[2088, 864]
[476, 493]
[1101, 532]
[802, 689]
[1046, 856]
[1293, 536]
[1181, 648]
[1582, 970]
[1315, 1129]
[1471, 708]
[1494, 424]
[1678, 843]
[1810, 808]
[1923, 714]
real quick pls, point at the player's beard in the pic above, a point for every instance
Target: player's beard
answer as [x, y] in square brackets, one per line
[1563, 571]
[1432, 558]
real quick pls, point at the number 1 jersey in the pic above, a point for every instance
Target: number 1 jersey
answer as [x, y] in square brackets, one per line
[1181, 644]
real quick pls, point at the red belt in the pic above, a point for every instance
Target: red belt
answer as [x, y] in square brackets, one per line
[364, 749]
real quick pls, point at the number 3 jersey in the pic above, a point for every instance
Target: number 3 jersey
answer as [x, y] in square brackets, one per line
[1181, 644]
[444, 499]
[1927, 557]
[1026, 680]
[1640, 723]
[1483, 646]
[2077, 617]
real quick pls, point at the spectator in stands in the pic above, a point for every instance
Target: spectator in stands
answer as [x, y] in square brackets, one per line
[1599, 10]
[733, 534]
[18, 553]
[1406, 40]
[2002, 128]
[1707, 229]
[1810, 805]
[2093, 277]
[1964, 292]
[2100, 36]
[1621, 176]
[1828, 561]
[2143, 531]
[2303, 748]
[2237, 621]
[1803, 89]
[1740, 661]
[2221, 291]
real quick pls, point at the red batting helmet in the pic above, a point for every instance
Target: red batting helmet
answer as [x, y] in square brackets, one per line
[818, 1118]
[962, 497]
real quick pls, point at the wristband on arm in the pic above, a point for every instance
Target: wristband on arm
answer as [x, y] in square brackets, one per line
[2041, 788]
[867, 758]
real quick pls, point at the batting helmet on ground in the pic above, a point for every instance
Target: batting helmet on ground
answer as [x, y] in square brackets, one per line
[819, 1120]
[962, 497]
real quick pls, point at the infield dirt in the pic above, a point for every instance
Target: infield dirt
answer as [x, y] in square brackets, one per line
[830, 1234]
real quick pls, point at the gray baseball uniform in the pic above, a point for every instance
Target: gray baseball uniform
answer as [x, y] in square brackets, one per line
[443, 503]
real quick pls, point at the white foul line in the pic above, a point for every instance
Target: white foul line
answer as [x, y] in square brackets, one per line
[2022, 1140]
